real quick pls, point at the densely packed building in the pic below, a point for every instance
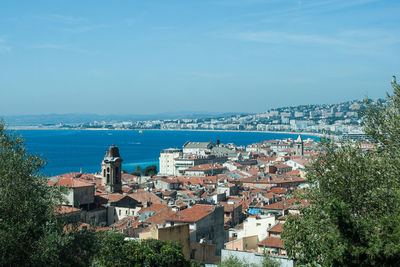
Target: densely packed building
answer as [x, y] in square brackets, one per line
[213, 198]
[342, 119]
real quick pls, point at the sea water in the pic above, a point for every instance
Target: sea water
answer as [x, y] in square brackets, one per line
[83, 150]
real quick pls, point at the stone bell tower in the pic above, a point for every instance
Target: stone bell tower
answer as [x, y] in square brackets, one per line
[111, 171]
[299, 146]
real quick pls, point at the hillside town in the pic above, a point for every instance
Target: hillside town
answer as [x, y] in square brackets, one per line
[215, 199]
[339, 119]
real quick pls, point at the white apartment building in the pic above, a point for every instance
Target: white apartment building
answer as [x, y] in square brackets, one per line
[167, 160]
[254, 226]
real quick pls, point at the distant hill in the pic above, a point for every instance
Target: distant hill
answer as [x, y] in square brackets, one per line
[51, 119]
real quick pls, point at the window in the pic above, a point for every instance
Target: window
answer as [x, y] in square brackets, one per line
[126, 212]
[258, 224]
[119, 212]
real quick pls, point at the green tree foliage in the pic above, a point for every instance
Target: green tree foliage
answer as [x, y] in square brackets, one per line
[138, 171]
[269, 262]
[114, 251]
[150, 170]
[355, 196]
[234, 261]
[30, 232]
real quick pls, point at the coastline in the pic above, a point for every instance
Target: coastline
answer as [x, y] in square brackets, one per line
[17, 128]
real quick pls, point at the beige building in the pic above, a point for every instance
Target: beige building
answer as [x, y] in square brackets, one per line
[176, 233]
[249, 243]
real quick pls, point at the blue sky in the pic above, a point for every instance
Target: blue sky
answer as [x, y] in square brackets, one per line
[146, 57]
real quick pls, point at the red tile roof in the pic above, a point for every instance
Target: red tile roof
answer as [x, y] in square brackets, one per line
[193, 214]
[274, 242]
[144, 196]
[72, 183]
[278, 190]
[154, 207]
[205, 167]
[277, 228]
[65, 210]
[161, 216]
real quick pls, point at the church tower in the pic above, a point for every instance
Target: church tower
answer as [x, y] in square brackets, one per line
[111, 171]
[299, 146]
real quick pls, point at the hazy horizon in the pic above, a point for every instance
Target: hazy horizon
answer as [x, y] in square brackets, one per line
[153, 57]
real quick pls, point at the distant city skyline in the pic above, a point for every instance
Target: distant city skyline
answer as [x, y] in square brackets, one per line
[149, 57]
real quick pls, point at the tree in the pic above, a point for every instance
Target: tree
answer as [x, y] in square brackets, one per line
[114, 251]
[355, 198]
[269, 262]
[30, 232]
[233, 261]
[138, 171]
[150, 170]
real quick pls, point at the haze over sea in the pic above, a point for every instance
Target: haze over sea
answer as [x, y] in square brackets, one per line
[73, 150]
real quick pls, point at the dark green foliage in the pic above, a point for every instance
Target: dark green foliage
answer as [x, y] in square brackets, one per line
[117, 252]
[234, 261]
[150, 170]
[355, 196]
[30, 232]
[138, 171]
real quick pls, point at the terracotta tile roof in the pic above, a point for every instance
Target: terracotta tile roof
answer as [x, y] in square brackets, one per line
[170, 181]
[294, 172]
[302, 161]
[274, 242]
[193, 214]
[168, 193]
[230, 207]
[154, 207]
[202, 180]
[144, 196]
[277, 228]
[126, 222]
[71, 175]
[72, 183]
[278, 190]
[127, 189]
[128, 177]
[162, 216]
[281, 205]
[65, 209]
[282, 166]
[115, 197]
[205, 167]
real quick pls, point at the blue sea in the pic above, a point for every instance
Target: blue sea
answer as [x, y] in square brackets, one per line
[75, 150]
